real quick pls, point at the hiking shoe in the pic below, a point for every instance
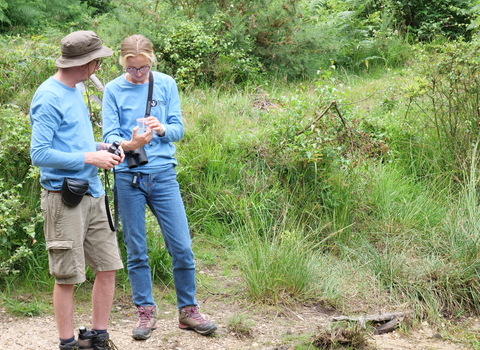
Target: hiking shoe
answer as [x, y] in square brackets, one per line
[147, 322]
[69, 346]
[102, 342]
[190, 318]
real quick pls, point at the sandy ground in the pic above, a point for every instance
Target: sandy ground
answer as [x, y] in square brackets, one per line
[270, 331]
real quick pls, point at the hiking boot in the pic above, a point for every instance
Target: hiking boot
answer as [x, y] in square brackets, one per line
[190, 318]
[69, 346]
[102, 342]
[147, 322]
[85, 338]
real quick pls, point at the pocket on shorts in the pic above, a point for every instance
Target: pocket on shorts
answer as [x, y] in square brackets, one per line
[61, 259]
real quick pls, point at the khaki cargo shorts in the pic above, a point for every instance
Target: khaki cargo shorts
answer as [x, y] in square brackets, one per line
[78, 236]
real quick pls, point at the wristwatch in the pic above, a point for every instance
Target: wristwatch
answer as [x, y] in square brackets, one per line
[162, 132]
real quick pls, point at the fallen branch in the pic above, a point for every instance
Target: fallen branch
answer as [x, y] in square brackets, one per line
[377, 318]
[387, 327]
[392, 321]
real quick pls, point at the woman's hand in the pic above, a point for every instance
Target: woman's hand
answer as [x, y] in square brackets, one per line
[138, 140]
[154, 124]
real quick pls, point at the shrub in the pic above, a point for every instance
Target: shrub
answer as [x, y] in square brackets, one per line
[19, 190]
[25, 15]
[24, 64]
[192, 55]
[444, 101]
[426, 19]
[355, 34]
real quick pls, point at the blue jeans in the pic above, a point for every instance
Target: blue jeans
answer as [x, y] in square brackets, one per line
[161, 193]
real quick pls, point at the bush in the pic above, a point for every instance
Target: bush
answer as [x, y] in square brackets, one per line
[19, 190]
[445, 99]
[25, 15]
[192, 55]
[426, 19]
[356, 35]
[24, 64]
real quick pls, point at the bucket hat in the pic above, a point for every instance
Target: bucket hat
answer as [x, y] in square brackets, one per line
[81, 47]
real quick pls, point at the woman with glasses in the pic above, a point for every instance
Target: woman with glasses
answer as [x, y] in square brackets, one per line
[152, 183]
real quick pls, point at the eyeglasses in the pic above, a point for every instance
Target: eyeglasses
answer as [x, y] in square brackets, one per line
[143, 70]
[98, 63]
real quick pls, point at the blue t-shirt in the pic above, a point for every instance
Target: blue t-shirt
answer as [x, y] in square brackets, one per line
[61, 134]
[124, 102]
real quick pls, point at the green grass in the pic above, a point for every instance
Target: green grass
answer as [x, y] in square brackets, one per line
[23, 308]
[276, 268]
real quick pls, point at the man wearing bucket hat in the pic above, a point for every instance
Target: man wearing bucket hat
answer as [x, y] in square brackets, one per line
[63, 146]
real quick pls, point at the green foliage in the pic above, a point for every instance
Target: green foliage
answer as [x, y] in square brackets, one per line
[415, 238]
[188, 51]
[25, 308]
[285, 43]
[214, 41]
[280, 266]
[3, 17]
[273, 32]
[314, 147]
[14, 146]
[128, 18]
[418, 19]
[427, 19]
[356, 35]
[26, 15]
[446, 94]
[100, 6]
[192, 56]
[24, 64]
[19, 214]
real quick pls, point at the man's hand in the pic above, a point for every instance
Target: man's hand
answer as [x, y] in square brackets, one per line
[102, 159]
[106, 147]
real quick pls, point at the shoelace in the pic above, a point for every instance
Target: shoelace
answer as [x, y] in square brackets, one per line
[193, 313]
[145, 316]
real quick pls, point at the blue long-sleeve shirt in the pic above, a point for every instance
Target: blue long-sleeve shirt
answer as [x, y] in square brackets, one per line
[61, 134]
[124, 102]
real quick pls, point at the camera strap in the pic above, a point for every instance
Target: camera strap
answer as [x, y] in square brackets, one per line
[150, 93]
[113, 224]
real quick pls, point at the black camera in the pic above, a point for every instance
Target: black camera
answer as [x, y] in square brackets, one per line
[136, 157]
[115, 148]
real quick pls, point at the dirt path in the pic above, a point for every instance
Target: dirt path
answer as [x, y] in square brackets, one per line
[270, 331]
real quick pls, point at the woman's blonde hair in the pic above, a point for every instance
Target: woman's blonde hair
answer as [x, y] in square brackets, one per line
[135, 45]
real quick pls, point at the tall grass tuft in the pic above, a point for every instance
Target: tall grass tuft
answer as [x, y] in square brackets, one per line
[278, 266]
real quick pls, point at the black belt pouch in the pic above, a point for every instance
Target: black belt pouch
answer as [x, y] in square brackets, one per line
[73, 191]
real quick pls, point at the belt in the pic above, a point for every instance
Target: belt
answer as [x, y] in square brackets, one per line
[52, 191]
[86, 194]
